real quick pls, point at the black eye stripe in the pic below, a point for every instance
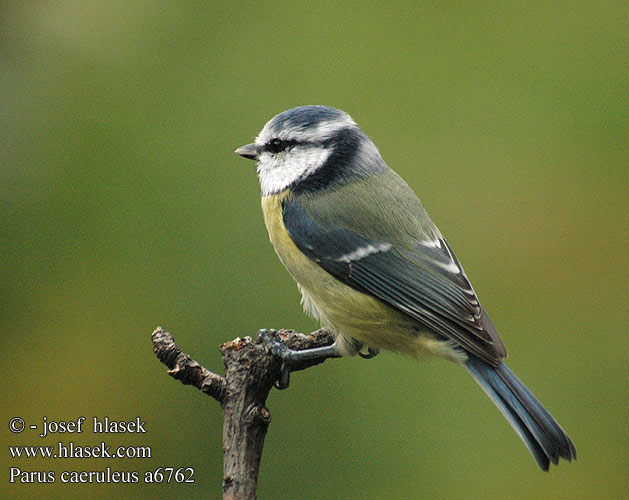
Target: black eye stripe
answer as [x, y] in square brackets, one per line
[277, 145]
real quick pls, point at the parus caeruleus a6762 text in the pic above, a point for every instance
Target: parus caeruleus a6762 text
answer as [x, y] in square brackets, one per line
[373, 268]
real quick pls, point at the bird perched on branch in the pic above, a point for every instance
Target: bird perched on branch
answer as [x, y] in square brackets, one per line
[373, 268]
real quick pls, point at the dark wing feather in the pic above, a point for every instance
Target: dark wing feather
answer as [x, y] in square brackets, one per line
[426, 282]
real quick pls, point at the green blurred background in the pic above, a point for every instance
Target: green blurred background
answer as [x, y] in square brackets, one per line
[124, 208]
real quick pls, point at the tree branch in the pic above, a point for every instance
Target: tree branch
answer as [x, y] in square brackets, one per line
[251, 371]
[185, 369]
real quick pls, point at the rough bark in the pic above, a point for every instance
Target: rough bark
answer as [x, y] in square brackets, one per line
[250, 373]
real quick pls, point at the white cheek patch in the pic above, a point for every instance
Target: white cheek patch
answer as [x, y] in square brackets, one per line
[278, 171]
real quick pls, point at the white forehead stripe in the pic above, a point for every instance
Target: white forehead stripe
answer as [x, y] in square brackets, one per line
[322, 131]
[318, 133]
[362, 252]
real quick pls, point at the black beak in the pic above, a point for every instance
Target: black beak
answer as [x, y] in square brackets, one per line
[248, 151]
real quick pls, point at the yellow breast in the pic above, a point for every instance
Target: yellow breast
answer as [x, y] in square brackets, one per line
[348, 313]
[310, 276]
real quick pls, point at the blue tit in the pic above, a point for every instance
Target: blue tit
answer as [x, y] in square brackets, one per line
[374, 269]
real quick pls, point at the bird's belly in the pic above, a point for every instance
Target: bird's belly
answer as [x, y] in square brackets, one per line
[348, 313]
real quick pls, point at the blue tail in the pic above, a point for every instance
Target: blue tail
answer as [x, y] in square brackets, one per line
[541, 434]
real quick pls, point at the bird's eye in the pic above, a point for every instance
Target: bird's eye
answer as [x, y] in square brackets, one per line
[276, 145]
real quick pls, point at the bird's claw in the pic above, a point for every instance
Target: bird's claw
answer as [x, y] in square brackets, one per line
[371, 353]
[278, 347]
[284, 380]
[293, 360]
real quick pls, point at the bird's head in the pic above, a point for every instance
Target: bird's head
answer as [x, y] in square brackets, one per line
[310, 148]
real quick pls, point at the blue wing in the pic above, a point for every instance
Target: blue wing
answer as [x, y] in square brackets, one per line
[425, 282]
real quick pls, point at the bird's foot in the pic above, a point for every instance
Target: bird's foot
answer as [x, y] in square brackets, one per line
[371, 353]
[279, 348]
[292, 358]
